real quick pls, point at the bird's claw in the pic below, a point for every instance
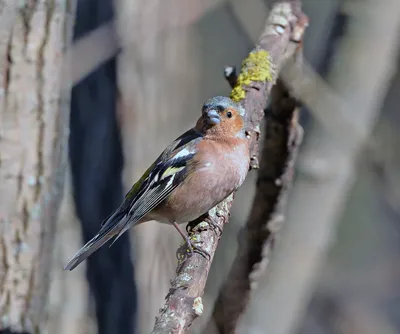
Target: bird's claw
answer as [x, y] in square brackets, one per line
[196, 225]
[213, 226]
[188, 248]
[195, 249]
[190, 227]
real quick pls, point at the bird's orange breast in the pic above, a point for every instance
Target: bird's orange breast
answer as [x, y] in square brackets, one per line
[216, 172]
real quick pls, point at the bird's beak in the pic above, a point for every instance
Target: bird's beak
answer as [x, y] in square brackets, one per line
[213, 117]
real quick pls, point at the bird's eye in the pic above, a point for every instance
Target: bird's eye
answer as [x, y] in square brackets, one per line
[229, 114]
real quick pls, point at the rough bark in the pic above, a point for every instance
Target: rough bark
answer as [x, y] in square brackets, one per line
[283, 136]
[68, 296]
[283, 32]
[33, 137]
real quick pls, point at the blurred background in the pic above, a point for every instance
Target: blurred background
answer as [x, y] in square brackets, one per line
[141, 69]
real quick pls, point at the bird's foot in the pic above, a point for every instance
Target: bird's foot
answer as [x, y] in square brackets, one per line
[188, 248]
[197, 225]
[213, 226]
[191, 247]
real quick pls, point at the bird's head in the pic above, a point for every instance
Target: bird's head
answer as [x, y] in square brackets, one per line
[221, 117]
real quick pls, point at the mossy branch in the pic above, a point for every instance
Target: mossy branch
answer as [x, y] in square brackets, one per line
[283, 136]
[281, 38]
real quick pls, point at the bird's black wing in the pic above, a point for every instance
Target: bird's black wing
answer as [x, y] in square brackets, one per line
[159, 180]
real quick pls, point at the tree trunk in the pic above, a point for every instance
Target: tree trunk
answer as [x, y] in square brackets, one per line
[33, 137]
[158, 76]
[326, 167]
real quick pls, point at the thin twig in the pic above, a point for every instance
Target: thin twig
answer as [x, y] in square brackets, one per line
[259, 71]
[231, 75]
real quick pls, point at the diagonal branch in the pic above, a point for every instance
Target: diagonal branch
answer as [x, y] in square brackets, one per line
[283, 136]
[279, 41]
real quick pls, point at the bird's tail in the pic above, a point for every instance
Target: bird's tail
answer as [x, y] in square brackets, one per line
[110, 227]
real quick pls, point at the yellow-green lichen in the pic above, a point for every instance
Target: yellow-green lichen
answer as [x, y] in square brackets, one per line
[195, 237]
[181, 258]
[256, 67]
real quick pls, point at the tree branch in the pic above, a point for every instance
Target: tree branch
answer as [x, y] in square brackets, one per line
[326, 169]
[278, 42]
[34, 131]
[283, 136]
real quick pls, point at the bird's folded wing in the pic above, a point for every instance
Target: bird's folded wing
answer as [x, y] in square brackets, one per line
[167, 172]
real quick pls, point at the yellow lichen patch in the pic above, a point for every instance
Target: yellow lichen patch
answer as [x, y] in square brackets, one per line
[195, 238]
[256, 67]
[181, 258]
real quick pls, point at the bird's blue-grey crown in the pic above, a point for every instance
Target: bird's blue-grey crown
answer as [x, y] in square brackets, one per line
[224, 102]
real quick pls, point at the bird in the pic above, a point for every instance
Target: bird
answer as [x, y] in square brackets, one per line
[194, 173]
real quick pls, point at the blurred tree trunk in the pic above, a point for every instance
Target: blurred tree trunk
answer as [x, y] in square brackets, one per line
[157, 77]
[33, 137]
[327, 168]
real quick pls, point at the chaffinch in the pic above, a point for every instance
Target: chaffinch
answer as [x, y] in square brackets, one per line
[196, 172]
